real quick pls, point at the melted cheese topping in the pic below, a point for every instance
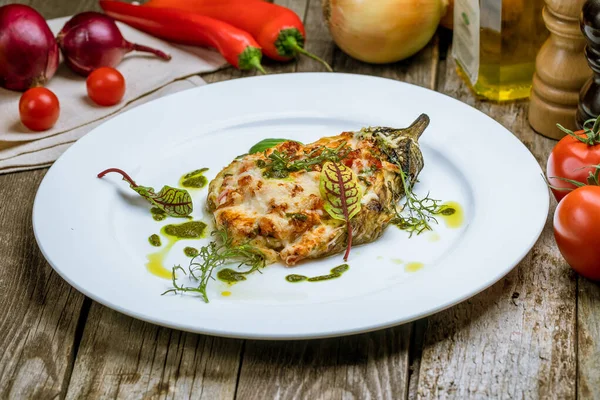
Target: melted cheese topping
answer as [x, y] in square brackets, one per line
[285, 217]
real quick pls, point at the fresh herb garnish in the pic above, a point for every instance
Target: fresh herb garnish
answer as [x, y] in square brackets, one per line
[217, 253]
[174, 202]
[279, 165]
[419, 212]
[297, 216]
[341, 194]
[266, 144]
[368, 170]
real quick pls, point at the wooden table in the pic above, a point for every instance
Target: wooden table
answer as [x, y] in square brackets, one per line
[534, 334]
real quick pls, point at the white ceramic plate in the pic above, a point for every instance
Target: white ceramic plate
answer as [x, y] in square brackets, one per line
[94, 231]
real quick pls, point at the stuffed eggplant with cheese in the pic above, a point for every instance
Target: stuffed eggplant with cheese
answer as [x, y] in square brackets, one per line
[272, 199]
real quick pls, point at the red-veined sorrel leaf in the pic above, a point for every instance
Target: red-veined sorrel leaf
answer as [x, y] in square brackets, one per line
[340, 191]
[173, 201]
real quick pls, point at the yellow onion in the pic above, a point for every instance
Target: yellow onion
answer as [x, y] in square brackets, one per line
[382, 31]
[448, 18]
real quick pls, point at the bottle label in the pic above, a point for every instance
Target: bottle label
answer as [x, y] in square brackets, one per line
[466, 37]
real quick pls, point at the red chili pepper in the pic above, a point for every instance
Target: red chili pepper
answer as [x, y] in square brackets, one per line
[238, 47]
[277, 29]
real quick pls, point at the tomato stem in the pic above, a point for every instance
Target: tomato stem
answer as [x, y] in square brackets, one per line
[591, 137]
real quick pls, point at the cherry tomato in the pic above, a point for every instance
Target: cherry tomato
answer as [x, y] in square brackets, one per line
[39, 109]
[577, 230]
[105, 86]
[568, 160]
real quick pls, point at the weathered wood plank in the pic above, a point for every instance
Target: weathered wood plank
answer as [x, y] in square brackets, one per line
[373, 365]
[56, 9]
[318, 40]
[517, 339]
[121, 357]
[39, 311]
[588, 344]
[148, 361]
[369, 366]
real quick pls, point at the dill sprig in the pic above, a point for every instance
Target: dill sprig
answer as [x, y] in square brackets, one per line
[419, 213]
[217, 253]
[279, 165]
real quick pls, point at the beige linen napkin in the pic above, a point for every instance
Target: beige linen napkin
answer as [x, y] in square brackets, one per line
[147, 77]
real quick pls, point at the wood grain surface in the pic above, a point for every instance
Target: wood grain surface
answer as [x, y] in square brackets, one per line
[588, 339]
[534, 334]
[518, 338]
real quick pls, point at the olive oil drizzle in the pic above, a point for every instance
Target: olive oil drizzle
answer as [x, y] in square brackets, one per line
[456, 218]
[174, 233]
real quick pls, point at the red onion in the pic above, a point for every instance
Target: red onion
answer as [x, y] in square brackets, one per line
[28, 51]
[91, 40]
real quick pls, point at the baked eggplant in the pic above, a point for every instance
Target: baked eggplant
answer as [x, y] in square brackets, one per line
[272, 200]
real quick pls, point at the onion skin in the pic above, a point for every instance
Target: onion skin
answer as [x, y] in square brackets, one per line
[28, 51]
[91, 40]
[382, 31]
[448, 18]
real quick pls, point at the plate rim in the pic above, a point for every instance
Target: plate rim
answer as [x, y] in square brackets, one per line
[390, 323]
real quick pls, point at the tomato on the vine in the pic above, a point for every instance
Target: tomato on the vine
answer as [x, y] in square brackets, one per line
[577, 230]
[105, 86]
[572, 157]
[39, 109]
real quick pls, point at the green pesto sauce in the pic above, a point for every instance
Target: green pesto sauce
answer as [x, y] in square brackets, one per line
[187, 230]
[158, 214]
[229, 275]
[295, 278]
[340, 269]
[194, 179]
[190, 251]
[323, 277]
[173, 233]
[154, 240]
[335, 273]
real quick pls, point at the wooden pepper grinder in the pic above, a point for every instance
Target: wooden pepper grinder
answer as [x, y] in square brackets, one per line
[561, 70]
[589, 98]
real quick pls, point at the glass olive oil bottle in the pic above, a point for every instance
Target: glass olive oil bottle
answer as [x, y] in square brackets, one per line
[495, 45]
